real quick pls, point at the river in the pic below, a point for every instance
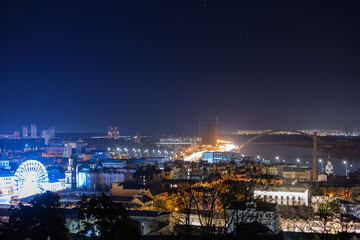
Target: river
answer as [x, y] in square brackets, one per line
[290, 154]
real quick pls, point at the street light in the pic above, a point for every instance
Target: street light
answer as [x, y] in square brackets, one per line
[346, 169]
[298, 160]
[322, 167]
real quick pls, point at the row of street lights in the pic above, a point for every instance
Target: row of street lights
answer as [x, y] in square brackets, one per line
[140, 152]
[347, 171]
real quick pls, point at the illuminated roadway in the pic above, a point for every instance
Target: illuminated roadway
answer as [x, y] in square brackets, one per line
[196, 156]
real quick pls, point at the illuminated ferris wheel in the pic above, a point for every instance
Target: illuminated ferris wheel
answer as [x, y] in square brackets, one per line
[31, 178]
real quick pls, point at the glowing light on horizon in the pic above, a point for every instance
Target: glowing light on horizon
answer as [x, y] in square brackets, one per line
[194, 157]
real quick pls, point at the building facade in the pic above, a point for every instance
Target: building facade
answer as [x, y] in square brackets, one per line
[254, 211]
[284, 195]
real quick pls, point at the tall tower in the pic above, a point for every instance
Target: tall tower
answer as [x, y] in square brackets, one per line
[33, 130]
[315, 162]
[70, 175]
[25, 132]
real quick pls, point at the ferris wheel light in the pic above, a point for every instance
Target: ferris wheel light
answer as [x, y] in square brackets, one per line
[31, 178]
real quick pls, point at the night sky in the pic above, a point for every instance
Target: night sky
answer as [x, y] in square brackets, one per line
[163, 64]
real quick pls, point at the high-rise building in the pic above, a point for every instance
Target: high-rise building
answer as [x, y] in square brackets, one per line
[33, 130]
[48, 135]
[113, 132]
[25, 131]
[52, 132]
[209, 134]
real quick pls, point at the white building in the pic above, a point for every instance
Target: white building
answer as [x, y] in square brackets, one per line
[92, 179]
[96, 180]
[6, 184]
[284, 195]
[55, 186]
[113, 163]
[220, 156]
[68, 147]
[5, 164]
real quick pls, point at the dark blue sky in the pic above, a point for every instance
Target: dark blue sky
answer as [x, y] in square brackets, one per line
[80, 66]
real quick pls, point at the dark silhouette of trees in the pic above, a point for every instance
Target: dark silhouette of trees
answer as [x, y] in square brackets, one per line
[43, 219]
[101, 218]
[200, 210]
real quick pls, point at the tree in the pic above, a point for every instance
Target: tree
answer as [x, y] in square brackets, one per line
[324, 219]
[43, 219]
[103, 219]
[200, 209]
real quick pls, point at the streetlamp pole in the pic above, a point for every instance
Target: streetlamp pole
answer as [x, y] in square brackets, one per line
[322, 166]
[346, 170]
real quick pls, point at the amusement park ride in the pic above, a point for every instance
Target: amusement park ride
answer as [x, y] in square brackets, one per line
[30, 178]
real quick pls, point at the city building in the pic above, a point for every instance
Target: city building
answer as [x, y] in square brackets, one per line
[25, 132]
[129, 189]
[6, 183]
[147, 175]
[284, 195]
[81, 176]
[68, 149]
[252, 211]
[213, 157]
[33, 131]
[296, 173]
[98, 180]
[113, 163]
[112, 132]
[4, 164]
[55, 149]
[70, 175]
[174, 142]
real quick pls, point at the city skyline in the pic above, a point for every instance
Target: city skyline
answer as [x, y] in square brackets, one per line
[199, 119]
[257, 65]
